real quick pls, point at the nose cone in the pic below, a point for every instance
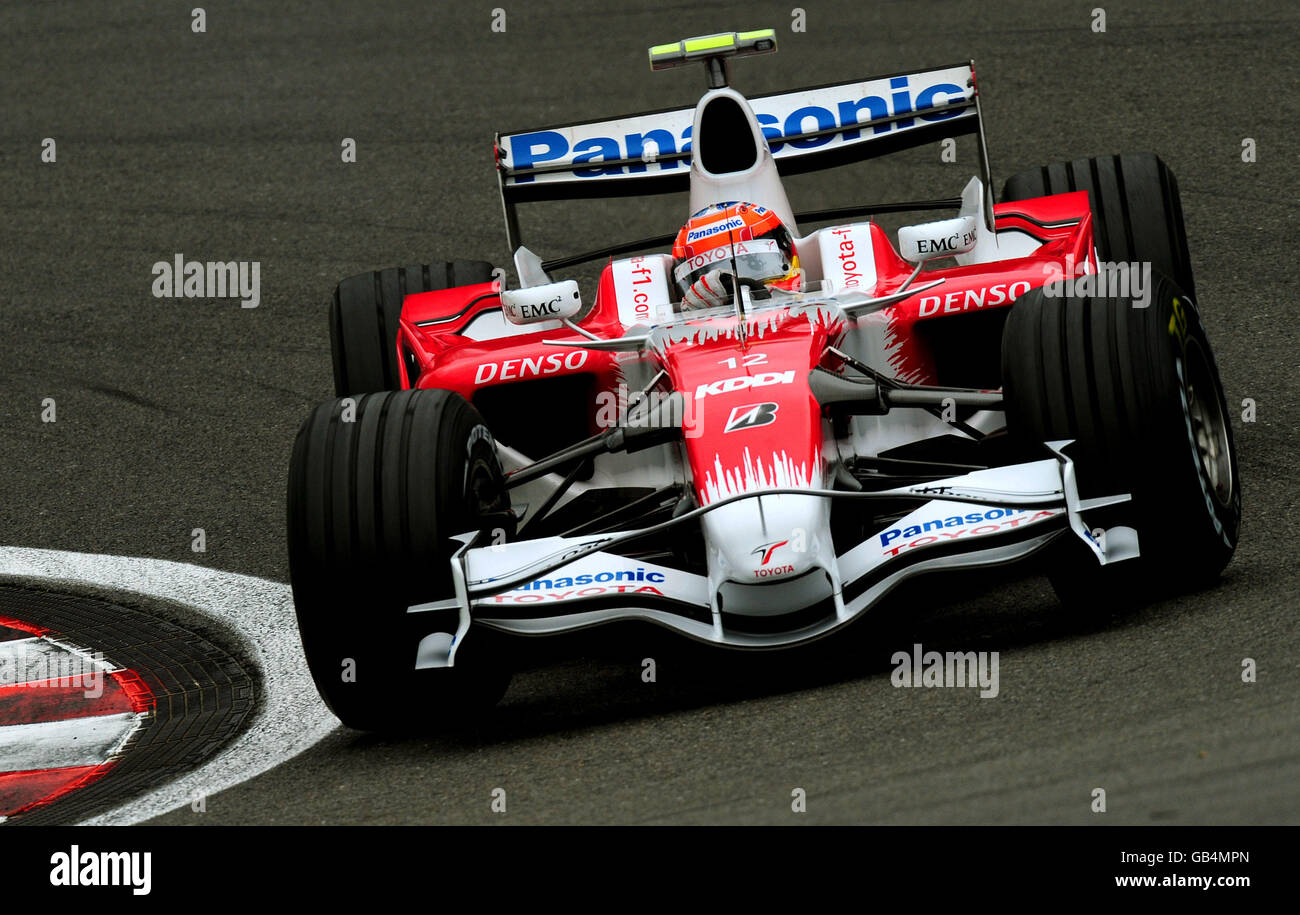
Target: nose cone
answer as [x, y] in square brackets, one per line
[751, 421]
[766, 538]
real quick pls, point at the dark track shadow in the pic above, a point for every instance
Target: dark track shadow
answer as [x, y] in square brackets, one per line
[594, 678]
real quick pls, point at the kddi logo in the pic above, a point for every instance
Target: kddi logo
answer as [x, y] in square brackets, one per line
[744, 382]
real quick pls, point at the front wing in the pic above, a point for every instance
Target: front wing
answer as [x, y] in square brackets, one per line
[560, 584]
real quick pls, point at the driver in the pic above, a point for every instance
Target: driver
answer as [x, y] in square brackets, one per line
[738, 237]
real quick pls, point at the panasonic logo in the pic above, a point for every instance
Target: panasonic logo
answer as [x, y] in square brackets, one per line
[697, 234]
[587, 153]
[916, 530]
[593, 578]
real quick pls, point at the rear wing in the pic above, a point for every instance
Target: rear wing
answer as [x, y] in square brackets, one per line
[807, 130]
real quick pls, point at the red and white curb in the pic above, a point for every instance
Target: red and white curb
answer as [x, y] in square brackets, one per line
[66, 716]
[290, 717]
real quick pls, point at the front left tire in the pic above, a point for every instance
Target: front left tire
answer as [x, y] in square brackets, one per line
[377, 487]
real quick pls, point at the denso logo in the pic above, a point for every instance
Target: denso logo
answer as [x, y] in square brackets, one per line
[530, 367]
[955, 302]
[539, 147]
[727, 226]
[744, 382]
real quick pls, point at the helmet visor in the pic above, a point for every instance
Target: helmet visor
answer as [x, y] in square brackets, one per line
[761, 260]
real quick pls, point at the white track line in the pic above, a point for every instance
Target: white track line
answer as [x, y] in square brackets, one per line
[290, 717]
[66, 742]
[74, 740]
[39, 658]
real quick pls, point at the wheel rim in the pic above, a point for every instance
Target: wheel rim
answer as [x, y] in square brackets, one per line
[1209, 427]
[483, 490]
[485, 493]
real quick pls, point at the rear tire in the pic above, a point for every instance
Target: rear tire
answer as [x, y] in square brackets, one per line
[1138, 391]
[364, 320]
[1137, 212]
[377, 486]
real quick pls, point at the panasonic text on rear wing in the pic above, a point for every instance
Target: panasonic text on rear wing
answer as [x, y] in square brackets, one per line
[802, 123]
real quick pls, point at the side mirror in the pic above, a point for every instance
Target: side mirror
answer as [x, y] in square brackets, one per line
[550, 302]
[938, 239]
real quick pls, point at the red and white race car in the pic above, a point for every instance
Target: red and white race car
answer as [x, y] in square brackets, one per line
[1026, 378]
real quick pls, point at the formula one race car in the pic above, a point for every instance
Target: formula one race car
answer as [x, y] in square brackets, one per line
[751, 440]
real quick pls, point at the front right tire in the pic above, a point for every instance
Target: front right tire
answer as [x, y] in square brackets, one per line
[1138, 391]
[1137, 213]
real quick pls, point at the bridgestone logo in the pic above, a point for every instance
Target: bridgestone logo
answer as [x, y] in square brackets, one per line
[751, 416]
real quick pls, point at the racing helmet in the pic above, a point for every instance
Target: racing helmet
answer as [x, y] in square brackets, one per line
[746, 237]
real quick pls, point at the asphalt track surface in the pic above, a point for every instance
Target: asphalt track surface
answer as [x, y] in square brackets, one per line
[179, 414]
